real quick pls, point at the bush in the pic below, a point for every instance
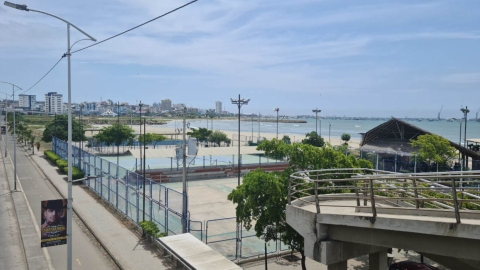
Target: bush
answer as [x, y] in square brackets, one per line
[76, 172]
[51, 156]
[151, 229]
[61, 163]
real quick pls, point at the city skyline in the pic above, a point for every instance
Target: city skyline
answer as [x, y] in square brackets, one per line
[400, 58]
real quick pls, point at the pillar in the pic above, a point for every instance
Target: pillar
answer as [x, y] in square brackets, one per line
[338, 266]
[378, 260]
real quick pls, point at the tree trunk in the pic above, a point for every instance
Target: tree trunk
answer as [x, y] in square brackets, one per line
[304, 267]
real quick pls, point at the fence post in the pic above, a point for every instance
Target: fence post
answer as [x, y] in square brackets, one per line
[108, 183]
[415, 168]
[455, 202]
[151, 203]
[317, 203]
[417, 204]
[372, 201]
[126, 194]
[166, 210]
[377, 161]
[137, 204]
[395, 161]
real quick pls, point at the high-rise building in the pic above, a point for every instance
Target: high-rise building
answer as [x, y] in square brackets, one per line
[166, 105]
[27, 101]
[218, 107]
[53, 103]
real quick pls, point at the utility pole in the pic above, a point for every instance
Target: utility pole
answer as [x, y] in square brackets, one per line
[465, 113]
[184, 175]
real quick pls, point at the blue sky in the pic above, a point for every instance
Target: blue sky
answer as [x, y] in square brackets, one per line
[356, 58]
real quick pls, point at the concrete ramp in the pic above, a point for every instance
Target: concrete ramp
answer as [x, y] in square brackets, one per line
[195, 254]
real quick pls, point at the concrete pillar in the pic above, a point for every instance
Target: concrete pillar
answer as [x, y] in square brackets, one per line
[378, 260]
[338, 266]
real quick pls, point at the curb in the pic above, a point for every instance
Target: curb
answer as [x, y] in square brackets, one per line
[117, 263]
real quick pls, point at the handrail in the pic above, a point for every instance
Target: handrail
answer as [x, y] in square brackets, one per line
[381, 186]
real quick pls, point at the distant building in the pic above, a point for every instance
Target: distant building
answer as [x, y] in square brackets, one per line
[166, 105]
[53, 103]
[92, 106]
[192, 110]
[27, 101]
[156, 105]
[218, 107]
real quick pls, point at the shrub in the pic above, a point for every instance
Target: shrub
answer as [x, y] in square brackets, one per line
[61, 163]
[76, 172]
[51, 156]
[151, 229]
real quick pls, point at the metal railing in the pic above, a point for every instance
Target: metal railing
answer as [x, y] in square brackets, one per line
[446, 190]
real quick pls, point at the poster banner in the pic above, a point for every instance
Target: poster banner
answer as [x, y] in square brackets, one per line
[54, 223]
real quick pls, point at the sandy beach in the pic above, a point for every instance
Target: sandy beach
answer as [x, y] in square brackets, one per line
[231, 134]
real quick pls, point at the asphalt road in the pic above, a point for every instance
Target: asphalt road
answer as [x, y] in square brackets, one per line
[86, 251]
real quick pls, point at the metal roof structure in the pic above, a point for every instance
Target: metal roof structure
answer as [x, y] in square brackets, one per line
[401, 131]
[204, 151]
[473, 140]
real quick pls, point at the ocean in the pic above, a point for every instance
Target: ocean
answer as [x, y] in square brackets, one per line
[449, 130]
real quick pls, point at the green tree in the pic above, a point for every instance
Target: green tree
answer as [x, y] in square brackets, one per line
[58, 127]
[201, 134]
[286, 139]
[115, 134]
[262, 197]
[346, 138]
[433, 149]
[312, 138]
[152, 138]
[218, 137]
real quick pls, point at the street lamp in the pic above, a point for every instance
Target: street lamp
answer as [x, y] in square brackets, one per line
[14, 136]
[316, 111]
[276, 110]
[465, 112]
[6, 120]
[239, 102]
[69, 212]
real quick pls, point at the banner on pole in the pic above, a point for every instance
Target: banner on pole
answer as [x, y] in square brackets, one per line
[54, 223]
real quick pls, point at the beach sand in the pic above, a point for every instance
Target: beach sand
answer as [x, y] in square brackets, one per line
[231, 134]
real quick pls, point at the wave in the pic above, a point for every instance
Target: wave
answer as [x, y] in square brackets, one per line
[357, 126]
[295, 125]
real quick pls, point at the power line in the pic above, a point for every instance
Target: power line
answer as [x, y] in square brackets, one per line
[156, 18]
[45, 74]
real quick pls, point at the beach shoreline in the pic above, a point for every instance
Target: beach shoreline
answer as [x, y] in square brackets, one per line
[169, 131]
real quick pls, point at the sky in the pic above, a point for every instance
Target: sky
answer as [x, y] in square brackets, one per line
[345, 57]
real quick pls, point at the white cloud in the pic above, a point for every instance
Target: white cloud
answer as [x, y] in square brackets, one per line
[462, 78]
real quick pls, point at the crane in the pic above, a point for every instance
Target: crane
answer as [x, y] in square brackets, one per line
[440, 113]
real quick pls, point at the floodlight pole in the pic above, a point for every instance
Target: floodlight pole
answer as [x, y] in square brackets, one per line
[277, 109]
[239, 103]
[316, 111]
[465, 114]
[69, 212]
[184, 174]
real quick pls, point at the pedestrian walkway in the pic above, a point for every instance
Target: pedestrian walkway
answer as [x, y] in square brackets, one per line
[120, 242]
[12, 254]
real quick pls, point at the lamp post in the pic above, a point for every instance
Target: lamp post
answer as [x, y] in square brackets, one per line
[6, 121]
[239, 102]
[14, 136]
[69, 207]
[316, 111]
[276, 110]
[465, 112]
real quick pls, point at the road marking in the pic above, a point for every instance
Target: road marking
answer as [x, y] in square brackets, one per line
[79, 263]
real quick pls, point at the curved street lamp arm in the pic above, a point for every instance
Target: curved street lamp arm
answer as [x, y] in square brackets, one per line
[12, 84]
[74, 26]
[79, 41]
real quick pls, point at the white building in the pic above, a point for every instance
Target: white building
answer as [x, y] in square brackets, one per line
[27, 101]
[53, 103]
[218, 107]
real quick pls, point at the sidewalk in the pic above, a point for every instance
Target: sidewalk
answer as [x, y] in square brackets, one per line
[20, 237]
[120, 242]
